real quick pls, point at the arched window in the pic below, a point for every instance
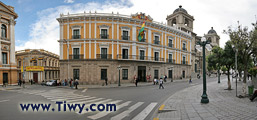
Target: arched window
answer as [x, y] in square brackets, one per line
[3, 31]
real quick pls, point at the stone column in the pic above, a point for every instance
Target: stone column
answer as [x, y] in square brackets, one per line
[12, 49]
[61, 38]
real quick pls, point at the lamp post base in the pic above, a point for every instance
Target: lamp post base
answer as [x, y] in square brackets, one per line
[204, 99]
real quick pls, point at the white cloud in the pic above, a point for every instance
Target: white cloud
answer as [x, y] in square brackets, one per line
[213, 13]
[69, 1]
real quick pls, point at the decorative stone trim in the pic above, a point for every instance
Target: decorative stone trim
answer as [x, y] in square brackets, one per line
[104, 26]
[104, 45]
[125, 28]
[76, 26]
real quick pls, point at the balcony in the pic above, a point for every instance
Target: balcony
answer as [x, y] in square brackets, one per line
[103, 56]
[156, 42]
[184, 62]
[138, 57]
[170, 61]
[76, 36]
[170, 45]
[142, 40]
[4, 38]
[76, 57]
[125, 37]
[104, 36]
[185, 49]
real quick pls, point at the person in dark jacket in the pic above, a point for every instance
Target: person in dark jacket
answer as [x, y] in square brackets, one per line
[106, 81]
[254, 95]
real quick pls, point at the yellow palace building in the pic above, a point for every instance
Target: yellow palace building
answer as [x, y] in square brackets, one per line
[8, 69]
[96, 46]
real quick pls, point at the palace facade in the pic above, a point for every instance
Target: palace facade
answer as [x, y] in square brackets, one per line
[96, 46]
[37, 65]
[8, 69]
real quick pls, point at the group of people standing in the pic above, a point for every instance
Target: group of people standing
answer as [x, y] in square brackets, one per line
[160, 81]
[71, 82]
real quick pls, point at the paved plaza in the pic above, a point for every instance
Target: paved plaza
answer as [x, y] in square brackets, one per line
[223, 104]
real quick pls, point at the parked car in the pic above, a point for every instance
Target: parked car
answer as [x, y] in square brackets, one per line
[43, 83]
[51, 83]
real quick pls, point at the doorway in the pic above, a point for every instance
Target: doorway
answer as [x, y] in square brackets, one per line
[19, 76]
[5, 78]
[35, 77]
[170, 74]
[142, 73]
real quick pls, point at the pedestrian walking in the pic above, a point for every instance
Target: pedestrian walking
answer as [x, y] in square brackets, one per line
[154, 81]
[106, 81]
[20, 82]
[31, 82]
[136, 82]
[76, 83]
[23, 83]
[4, 84]
[161, 84]
[65, 82]
[190, 80]
[165, 78]
[72, 83]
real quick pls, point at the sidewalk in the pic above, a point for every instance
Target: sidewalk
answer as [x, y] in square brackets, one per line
[13, 87]
[140, 84]
[223, 104]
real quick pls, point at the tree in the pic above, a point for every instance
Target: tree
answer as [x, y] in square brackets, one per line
[228, 59]
[215, 59]
[224, 69]
[246, 43]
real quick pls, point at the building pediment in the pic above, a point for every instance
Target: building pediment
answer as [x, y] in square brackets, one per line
[7, 9]
[142, 16]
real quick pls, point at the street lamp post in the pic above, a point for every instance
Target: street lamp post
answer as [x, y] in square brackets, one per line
[219, 74]
[204, 95]
[119, 75]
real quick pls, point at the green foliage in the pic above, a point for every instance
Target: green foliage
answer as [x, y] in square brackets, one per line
[246, 43]
[253, 71]
[223, 68]
[215, 59]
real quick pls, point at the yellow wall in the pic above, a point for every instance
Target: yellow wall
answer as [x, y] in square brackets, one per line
[163, 53]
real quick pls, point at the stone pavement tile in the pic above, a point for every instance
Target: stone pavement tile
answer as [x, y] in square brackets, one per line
[206, 115]
[191, 115]
[210, 118]
[195, 118]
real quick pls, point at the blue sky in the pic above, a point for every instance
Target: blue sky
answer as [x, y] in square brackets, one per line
[27, 11]
[37, 26]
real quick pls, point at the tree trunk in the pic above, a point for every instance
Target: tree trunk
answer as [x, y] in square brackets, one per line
[229, 83]
[240, 75]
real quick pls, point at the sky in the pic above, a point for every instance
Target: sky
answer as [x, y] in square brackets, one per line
[37, 27]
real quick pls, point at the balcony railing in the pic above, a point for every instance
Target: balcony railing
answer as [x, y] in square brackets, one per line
[125, 37]
[184, 62]
[4, 38]
[170, 61]
[104, 36]
[184, 49]
[142, 40]
[138, 57]
[125, 57]
[76, 36]
[170, 45]
[103, 56]
[156, 42]
[78, 57]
